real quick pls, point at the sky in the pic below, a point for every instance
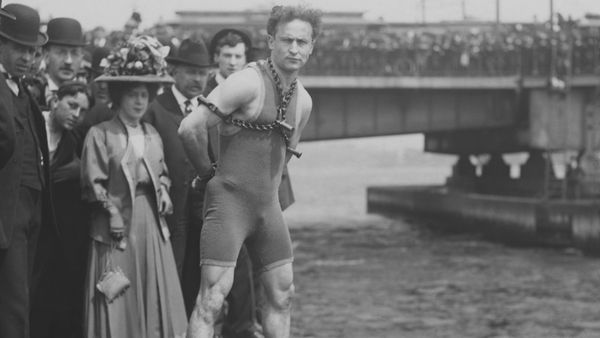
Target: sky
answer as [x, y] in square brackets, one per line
[112, 14]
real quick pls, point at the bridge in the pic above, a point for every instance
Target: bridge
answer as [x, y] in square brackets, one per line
[466, 116]
[451, 111]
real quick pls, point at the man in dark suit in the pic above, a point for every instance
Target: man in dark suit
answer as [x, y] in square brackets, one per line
[58, 303]
[102, 107]
[7, 128]
[63, 54]
[25, 206]
[189, 69]
[58, 298]
[7, 136]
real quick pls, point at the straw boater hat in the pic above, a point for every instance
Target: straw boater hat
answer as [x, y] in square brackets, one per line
[140, 60]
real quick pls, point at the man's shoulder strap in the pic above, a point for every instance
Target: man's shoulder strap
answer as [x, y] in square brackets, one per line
[258, 66]
[211, 106]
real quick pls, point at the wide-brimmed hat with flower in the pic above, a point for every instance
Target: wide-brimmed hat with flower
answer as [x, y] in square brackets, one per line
[142, 59]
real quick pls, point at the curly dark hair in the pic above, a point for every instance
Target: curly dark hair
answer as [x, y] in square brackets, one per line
[231, 40]
[284, 14]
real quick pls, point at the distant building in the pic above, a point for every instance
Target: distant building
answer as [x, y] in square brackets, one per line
[215, 20]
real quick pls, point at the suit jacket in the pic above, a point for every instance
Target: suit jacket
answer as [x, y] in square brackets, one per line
[107, 175]
[10, 174]
[165, 115]
[7, 134]
[100, 112]
[61, 264]
[71, 211]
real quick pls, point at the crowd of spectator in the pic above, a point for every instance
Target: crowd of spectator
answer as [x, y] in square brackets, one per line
[480, 50]
[528, 50]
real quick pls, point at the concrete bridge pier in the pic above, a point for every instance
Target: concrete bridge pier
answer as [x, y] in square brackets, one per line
[537, 166]
[496, 168]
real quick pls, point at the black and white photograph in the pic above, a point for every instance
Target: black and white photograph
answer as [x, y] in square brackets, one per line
[300, 168]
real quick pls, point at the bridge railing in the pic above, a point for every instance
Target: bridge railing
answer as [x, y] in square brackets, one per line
[535, 61]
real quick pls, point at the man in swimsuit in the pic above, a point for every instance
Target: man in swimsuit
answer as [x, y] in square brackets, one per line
[262, 110]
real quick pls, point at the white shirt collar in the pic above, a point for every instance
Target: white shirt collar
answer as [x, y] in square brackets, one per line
[180, 98]
[12, 85]
[219, 78]
[52, 86]
[51, 89]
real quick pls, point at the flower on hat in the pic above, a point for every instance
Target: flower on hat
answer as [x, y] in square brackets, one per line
[141, 55]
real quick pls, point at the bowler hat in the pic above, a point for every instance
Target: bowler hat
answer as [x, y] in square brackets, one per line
[25, 28]
[222, 33]
[65, 32]
[5, 13]
[190, 53]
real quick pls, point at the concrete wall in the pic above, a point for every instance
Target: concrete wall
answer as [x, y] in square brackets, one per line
[575, 221]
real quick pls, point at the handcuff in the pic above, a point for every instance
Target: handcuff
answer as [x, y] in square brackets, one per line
[199, 182]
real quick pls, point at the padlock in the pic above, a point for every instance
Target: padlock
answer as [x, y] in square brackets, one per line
[294, 152]
[284, 125]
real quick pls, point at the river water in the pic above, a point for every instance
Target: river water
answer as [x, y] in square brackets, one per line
[360, 275]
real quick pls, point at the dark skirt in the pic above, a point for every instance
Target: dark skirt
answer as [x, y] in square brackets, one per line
[153, 305]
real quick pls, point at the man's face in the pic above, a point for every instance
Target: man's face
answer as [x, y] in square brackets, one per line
[99, 33]
[163, 34]
[190, 80]
[100, 92]
[131, 27]
[231, 59]
[292, 45]
[63, 62]
[17, 59]
[68, 112]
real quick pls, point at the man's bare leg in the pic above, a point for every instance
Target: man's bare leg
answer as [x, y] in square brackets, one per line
[278, 286]
[215, 283]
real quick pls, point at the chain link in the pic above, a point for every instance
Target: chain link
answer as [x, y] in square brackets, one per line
[279, 124]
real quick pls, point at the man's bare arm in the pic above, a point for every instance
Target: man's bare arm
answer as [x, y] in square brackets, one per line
[193, 132]
[305, 108]
[234, 94]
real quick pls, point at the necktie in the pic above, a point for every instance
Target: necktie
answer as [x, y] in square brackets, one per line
[188, 107]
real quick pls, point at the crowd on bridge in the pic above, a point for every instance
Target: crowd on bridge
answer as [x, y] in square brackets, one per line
[490, 50]
[532, 49]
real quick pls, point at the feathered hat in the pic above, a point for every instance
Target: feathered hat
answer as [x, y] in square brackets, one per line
[142, 59]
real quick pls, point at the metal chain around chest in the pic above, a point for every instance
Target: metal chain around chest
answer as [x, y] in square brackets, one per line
[279, 124]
